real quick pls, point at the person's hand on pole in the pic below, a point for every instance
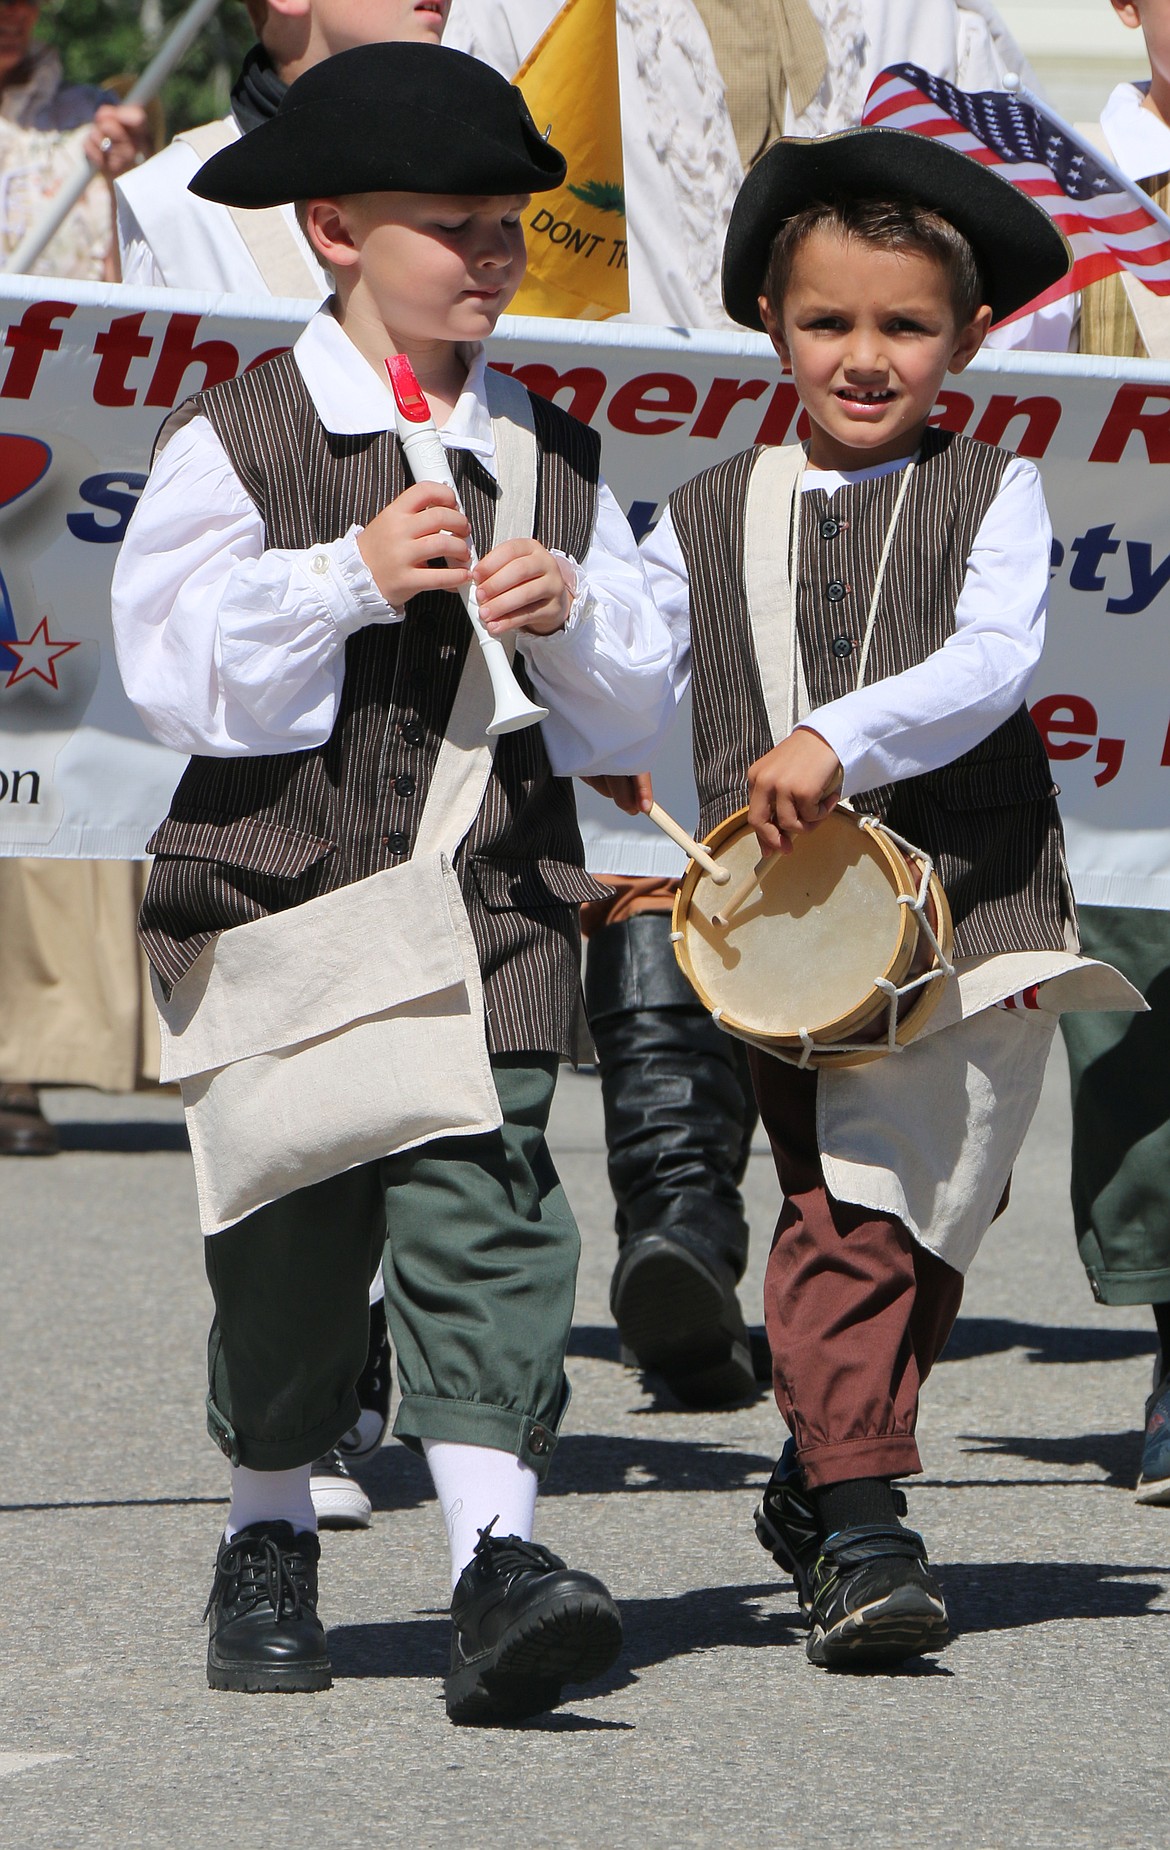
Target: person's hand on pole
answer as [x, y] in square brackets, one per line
[119, 138]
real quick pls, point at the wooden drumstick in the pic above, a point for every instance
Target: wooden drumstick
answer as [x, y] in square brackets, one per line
[743, 893]
[658, 816]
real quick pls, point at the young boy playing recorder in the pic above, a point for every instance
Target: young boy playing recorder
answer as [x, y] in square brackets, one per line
[287, 611]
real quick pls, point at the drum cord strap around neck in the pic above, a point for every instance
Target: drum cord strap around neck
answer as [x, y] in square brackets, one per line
[797, 679]
[917, 902]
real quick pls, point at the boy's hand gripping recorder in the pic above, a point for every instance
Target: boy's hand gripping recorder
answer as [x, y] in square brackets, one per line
[428, 463]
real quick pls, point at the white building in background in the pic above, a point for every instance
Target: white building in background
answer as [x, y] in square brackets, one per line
[1079, 49]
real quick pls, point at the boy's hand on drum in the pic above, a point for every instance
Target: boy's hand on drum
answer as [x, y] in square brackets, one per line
[792, 788]
[633, 794]
[521, 586]
[422, 523]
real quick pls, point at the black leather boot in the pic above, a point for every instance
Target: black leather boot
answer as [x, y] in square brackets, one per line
[679, 1117]
[265, 1633]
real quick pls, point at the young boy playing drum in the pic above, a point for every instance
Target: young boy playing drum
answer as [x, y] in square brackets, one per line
[876, 261]
[286, 610]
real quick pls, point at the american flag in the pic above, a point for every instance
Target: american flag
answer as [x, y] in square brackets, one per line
[1107, 220]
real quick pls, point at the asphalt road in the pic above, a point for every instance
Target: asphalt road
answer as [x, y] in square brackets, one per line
[1040, 1726]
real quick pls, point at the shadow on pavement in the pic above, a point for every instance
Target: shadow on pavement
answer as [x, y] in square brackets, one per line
[116, 1503]
[595, 1342]
[1002, 1596]
[1116, 1454]
[125, 1139]
[587, 1464]
[656, 1630]
[974, 1336]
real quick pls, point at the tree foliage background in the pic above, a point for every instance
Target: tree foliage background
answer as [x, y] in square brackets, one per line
[99, 39]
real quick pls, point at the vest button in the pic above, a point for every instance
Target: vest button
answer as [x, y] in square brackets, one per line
[405, 784]
[835, 591]
[396, 841]
[842, 646]
[830, 528]
[411, 731]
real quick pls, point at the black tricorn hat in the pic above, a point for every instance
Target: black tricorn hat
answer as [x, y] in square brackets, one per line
[1019, 251]
[396, 118]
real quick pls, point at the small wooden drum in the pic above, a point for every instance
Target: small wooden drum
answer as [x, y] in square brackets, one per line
[838, 956]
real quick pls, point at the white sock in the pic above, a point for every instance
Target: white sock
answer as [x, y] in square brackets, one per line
[474, 1484]
[270, 1496]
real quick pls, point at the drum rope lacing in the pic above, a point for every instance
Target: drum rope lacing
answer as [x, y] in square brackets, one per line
[894, 993]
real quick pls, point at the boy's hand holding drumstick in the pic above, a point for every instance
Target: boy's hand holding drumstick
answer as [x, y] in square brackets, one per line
[633, 794]
[792, 788]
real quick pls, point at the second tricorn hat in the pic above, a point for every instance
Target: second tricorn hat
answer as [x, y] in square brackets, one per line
[1019, 251]
[397, 118]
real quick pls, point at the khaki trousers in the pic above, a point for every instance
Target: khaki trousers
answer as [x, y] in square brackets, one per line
[75, 1003]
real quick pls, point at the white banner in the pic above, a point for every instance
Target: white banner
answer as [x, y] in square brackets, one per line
[88, 372]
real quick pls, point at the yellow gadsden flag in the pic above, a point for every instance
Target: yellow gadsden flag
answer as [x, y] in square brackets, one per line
[577, 235]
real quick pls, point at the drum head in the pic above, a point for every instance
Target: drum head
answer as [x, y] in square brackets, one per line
[806, 950]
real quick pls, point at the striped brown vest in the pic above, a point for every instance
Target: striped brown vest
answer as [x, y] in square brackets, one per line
[989, 818]
[254, 835]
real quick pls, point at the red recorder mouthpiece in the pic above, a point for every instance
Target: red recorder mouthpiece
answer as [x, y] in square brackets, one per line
[407, 390]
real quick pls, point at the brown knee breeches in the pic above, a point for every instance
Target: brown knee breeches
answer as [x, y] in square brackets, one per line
[857, 1310]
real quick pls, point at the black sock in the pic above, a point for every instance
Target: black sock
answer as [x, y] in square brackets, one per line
[1162, 1319]
[859, 1500]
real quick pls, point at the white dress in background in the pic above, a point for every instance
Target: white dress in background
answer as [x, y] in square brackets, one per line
[964, 41]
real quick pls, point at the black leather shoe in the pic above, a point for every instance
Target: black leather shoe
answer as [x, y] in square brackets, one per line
[524, 1625]
[24, 1128]
[265, 1633]
[874, 1601]
[679, 1317]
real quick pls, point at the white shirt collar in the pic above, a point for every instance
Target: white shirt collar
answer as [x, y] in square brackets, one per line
[833, 479]
[1140, 142]
[351, 400]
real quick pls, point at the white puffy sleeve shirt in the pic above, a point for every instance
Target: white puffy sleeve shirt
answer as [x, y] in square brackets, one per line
[227, 647]
[948, 703]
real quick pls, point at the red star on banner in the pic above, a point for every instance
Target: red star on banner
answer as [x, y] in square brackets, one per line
[39, 655]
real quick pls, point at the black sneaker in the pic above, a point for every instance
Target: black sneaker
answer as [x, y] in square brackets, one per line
[338, 1498]
[373, 1392]
[265, 1633]
[524, 1624]
[787, 1524]
[873, 1601]
[679, 1317]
